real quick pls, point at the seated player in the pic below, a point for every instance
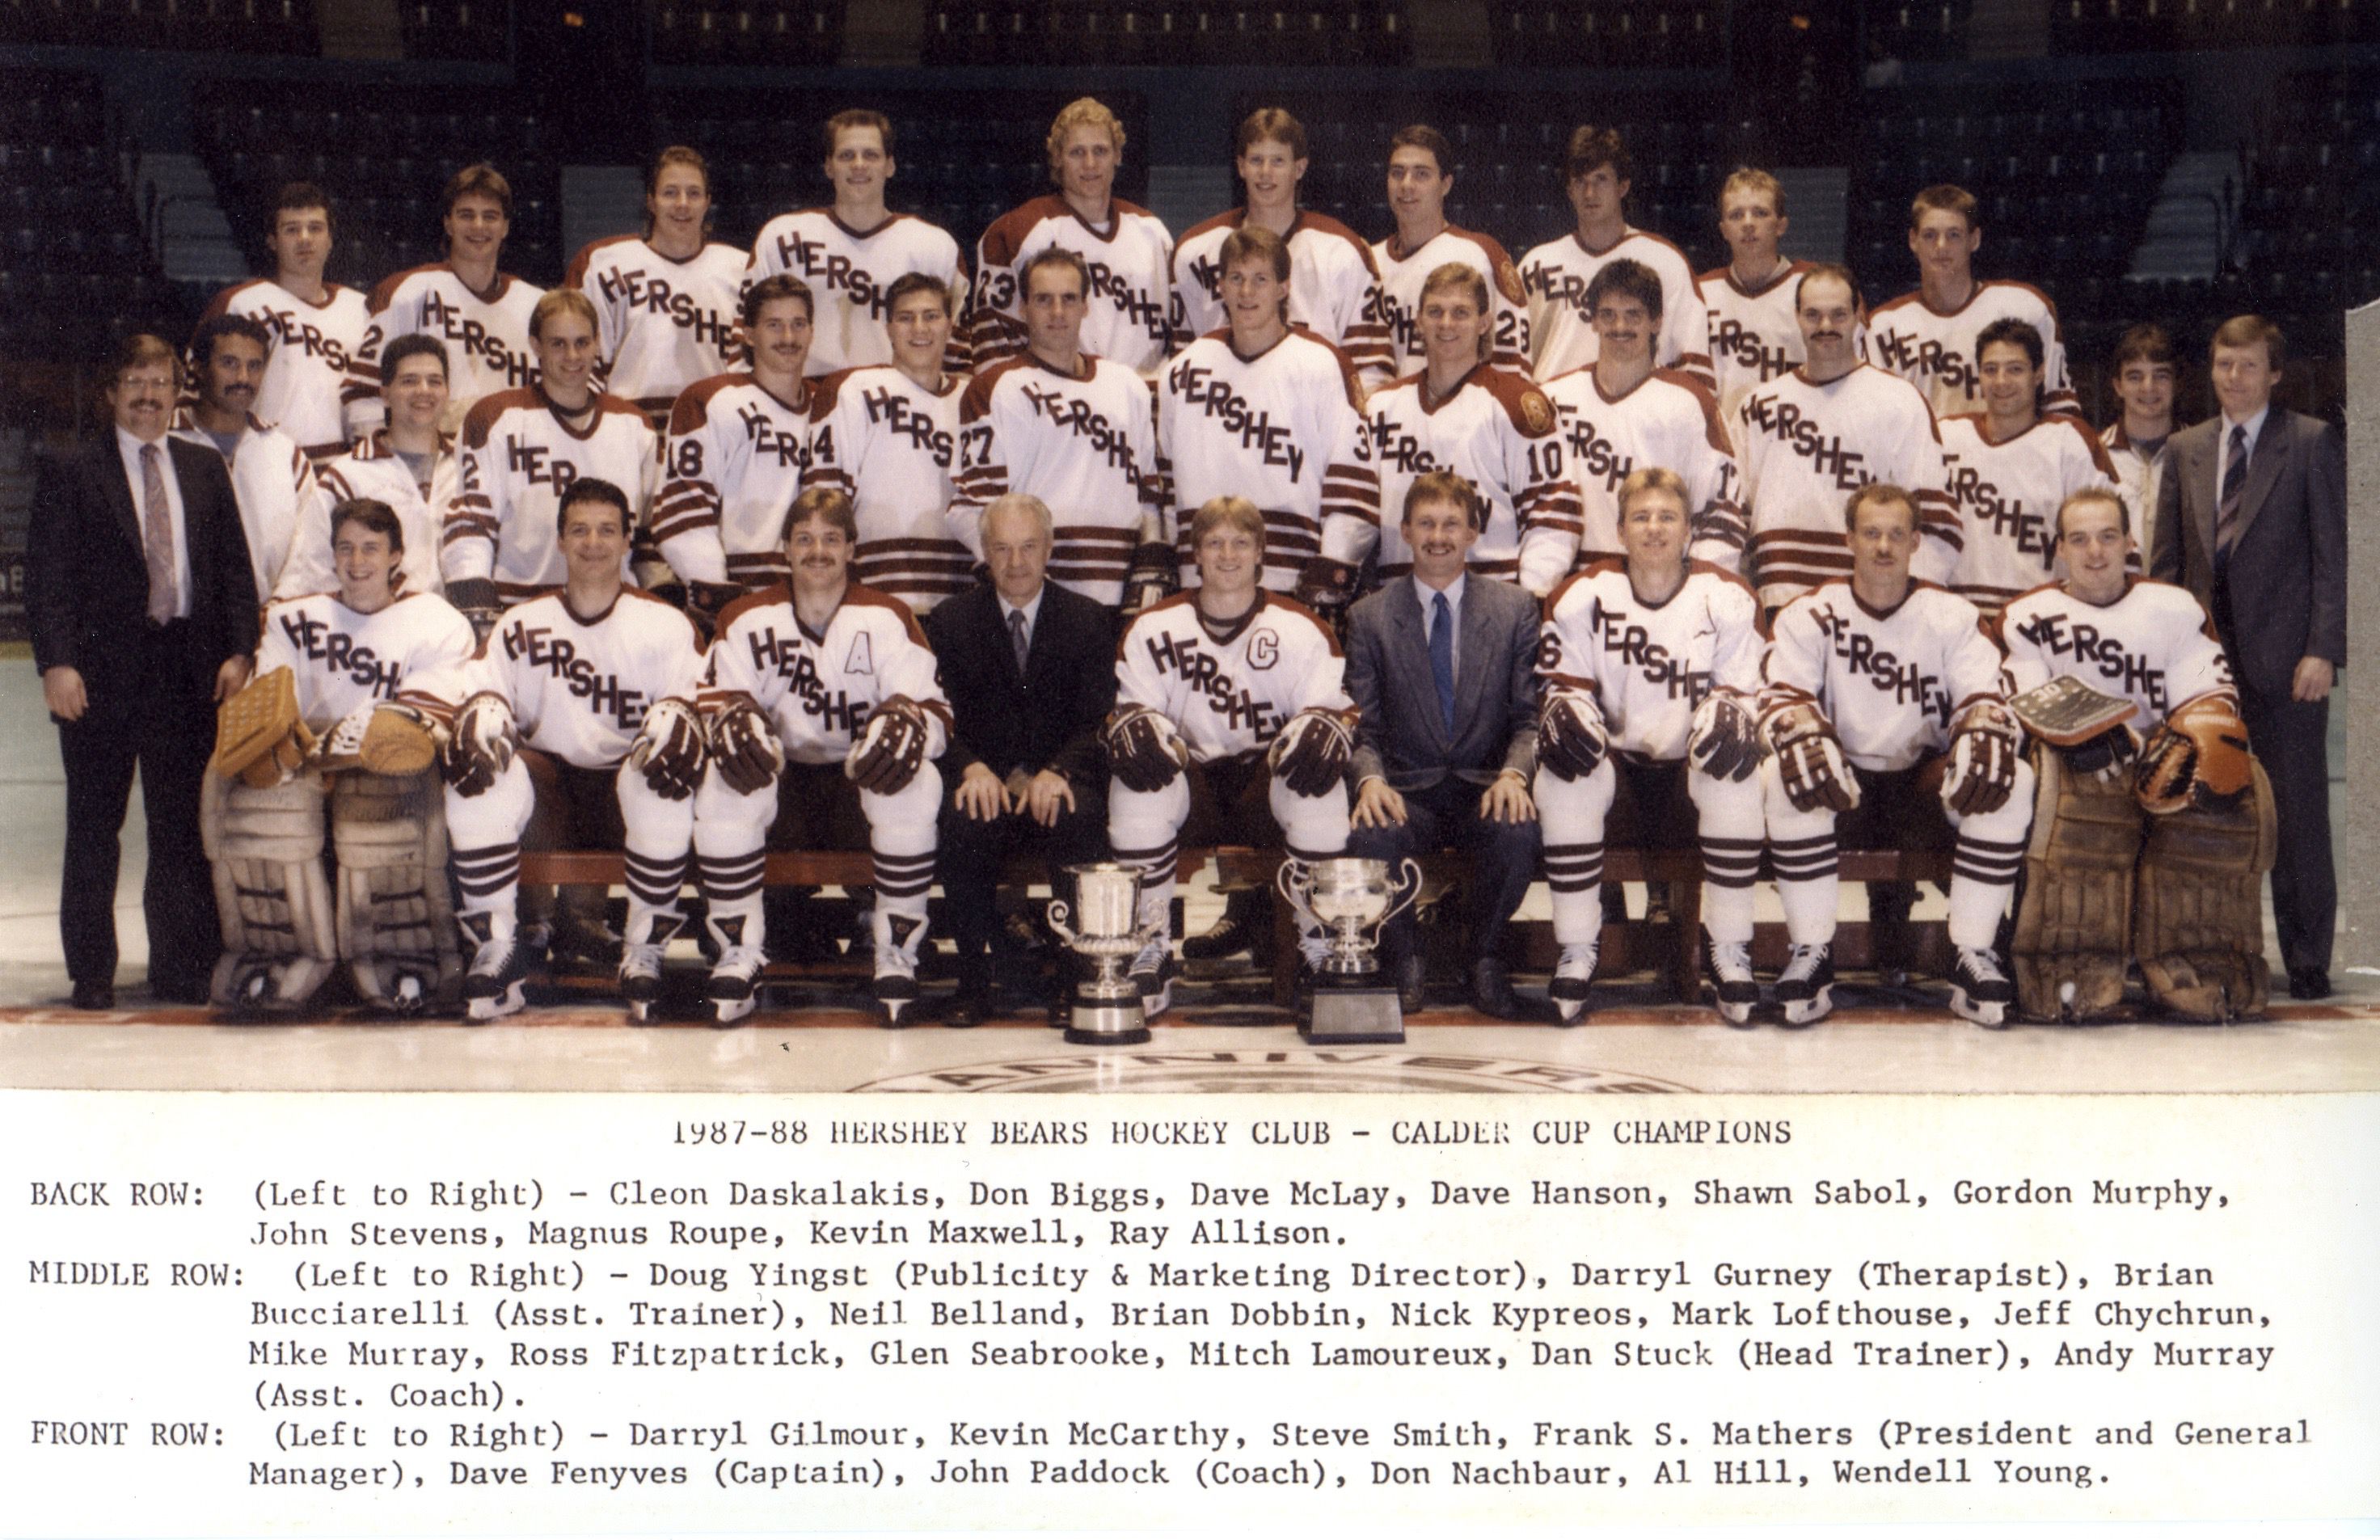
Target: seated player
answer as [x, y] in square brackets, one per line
[2191, 914]
[826, 714]
[340, 711]
[576, 728]
[409, 465]
[1231, 726]
[1648, 670]
[1883, 712]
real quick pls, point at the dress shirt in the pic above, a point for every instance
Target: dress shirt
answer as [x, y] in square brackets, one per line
[1454, 592]
[1030, 609]
[130, 448]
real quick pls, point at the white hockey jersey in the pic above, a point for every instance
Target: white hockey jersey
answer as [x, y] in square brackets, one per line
[1650, 665]
[2154, 645]
[580, 689]
[1084, 443]
[1334, 285]
[1130, 263]
[516, 460]
[661, 323]
[1229, 688]
[314, 346]
[1754, 337]
[733, 466]
[849, 272]
[889, 444]
[820, 689]
[1561, 330]
[274, 483]
[1935, 350]
[1803, 448]
[411, 650]
[1401, 277]
[1669, 420]
[1285, 430]
[486, 335]
[1497, 432]
[2008, 495]
[1891, 681]
[372, 469]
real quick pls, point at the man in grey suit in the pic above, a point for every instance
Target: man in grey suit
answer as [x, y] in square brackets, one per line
[1442, 667]
[2251, 517]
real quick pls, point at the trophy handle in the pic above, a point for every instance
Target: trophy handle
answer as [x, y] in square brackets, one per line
[1294, 881]
[1057, 916]
[1403, 896]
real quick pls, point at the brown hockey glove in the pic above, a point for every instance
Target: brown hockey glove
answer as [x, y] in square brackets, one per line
[1982, 760]
[483, 744]
[1327, 587]
[1155, 573]
[891, 746]
[2106, 754]
[1810, 762]
[670, 749]
[704, 601]
[476, 597]
[2197, 757]
[1145, 750]
[744, 746]
[1311, 755]
[1725, 740]
[1570, 735]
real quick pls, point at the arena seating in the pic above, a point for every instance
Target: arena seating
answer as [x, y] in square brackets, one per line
[2117, 25]
[1610, 35]
[2311, 187]
[479, 30]
[1918, 29]
[1165, 32]
[747, 31]
[242, 25]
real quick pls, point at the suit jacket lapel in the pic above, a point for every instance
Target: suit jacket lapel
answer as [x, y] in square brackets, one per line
[1471, 684]
[1411, 640]
[2273, 447]
[118, 488]
[2201, 473]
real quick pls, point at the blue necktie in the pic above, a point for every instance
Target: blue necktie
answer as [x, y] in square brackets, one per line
[1441, 660]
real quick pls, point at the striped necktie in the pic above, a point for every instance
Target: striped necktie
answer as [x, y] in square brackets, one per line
[2235, 481]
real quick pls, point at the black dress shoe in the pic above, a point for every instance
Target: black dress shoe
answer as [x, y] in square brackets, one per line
[967, 1008]
[2309, 984]
[1413, 994]
[1491, 990]
[89, 996]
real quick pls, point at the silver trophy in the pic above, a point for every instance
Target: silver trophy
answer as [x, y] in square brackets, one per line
[1353, 899]
[1105, 930]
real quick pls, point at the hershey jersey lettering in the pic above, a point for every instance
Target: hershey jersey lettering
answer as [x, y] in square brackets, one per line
[338, 653]
[288, 331]
[1594, 457]
[1907, 683]
[658, 296]
[1905, 355]
[559, 656]
[1740, 344]
[900, 414]
[1784, 421]
[833, 270]
[766, 437]
[1229, 701]
[2062, 637]
[475, 340]
[1275, 444]
[797, 665]
[539, 465]
[1982, 502]
[1631, 645]
[1080, 418]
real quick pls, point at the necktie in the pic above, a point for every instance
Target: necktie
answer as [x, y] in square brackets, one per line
[157, 523]
[1441, 659]
[2235, 481]
[1017, 639]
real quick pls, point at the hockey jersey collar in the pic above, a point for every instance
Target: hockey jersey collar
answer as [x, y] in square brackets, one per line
[1087, 364]
[1429, 405]
[494, 294]
[1786, 269]
[1627, 233]
[855, 233]
[1224, 633]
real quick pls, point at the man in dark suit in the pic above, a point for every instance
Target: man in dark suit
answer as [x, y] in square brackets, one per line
[1030, 668]
[1442, 667]
[143, 611]
[2251, 517]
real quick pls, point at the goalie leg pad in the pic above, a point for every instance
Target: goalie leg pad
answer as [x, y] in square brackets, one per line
[2073, 924]
[396, 916]
[2198, 919]
[265, 846]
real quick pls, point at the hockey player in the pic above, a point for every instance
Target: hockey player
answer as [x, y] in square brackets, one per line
[1619, 413]
[1126, 251]
[467, 301]
[1334, 285]
[826, 714]
[1489, 426]
[2192, 915]
[738, 446]
[1075, 430]
[269, 474]
[1754, 337]
[575, 727]
[852, 254]
[1806, 439]
[1231, 724]
[665, 302]
[1421, 176]
[885, 435]
[2009, 469]
[1649, 668]
[521, 450]
[316, 327]
[2136, 440]
[410, 465]
[1883, 712]
[1927, 336]
[1596, 174]
[339, 716]
[1267, 412]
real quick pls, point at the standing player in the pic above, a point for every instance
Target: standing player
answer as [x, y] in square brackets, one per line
[317, 327]
[481, 312]
[2136, 440]
[1928, 337]
[1648, 670]
[827, 713]
[1421, 176]
[1231, 724]
[852, 254]
[1334, 285]
[1125, 249]
[1807, 439]
[1753, 337]
[1075, 430]
[1619, 413]
[521, 450]
[1884, 755]
[665, 302]
[410, 465]
[1597, 172]
[884, 435]
[269, 474]
[2009, 469]
[575, 728]
[1488, 426]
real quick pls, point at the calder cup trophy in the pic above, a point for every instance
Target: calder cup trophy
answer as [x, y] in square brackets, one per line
[1353, 899]
[1105, 931]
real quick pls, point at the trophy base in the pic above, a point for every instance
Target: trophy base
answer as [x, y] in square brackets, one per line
[1361, 1013]
[1106, 1023]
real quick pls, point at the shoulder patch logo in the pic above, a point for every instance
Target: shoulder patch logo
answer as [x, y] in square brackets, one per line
[1508, 279]
[1536, 412]
[861, 659]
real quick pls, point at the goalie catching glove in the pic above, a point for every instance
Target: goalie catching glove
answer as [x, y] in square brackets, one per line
[744, 748]
[1145, 750]
[2199, 758]
[1982, 760]
[1725, 740]
[1311, 755]
[384, 737]
[670, 749]
[885, 756]
[259, 735]
[1810, 763]
[482, 747]
[1570, 734]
